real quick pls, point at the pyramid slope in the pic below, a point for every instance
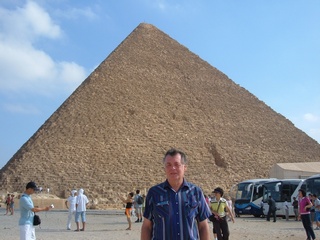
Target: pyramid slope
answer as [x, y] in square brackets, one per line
[150, 94]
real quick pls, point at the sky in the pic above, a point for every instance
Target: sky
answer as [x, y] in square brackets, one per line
[48, 48]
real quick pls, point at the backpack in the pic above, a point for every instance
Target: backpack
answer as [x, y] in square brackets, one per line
[140, 200]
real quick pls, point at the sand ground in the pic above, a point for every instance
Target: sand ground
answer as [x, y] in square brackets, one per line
[111, 224]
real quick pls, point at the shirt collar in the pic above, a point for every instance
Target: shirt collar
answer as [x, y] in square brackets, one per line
[185, 184]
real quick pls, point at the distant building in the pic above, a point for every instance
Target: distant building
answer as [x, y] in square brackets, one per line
[300, 170]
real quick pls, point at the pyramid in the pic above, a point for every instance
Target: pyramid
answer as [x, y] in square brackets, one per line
[151, 94]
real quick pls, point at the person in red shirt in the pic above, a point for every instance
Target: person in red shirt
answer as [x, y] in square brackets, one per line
[304, 214]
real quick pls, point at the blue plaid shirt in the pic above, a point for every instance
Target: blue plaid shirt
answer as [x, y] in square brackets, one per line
[175, 214]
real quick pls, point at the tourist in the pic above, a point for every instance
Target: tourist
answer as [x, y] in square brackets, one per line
[312, 210]
[219, 207]
[175, 195]
[304, 214]
[129, 202]
[316, 202]
[12, 204]
[81, 208]
[27, 210]
[137, 202]
[8, 199]
[230, 205]
[295, 205]
[286, 208]
[71, 206]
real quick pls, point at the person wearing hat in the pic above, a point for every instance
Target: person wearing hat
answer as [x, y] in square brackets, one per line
[72, 207]
[218, 208]
[81, 208]
[27, 210]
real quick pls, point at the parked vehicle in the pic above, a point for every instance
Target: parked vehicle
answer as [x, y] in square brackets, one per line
[249, 196]
[281, 190]
[312, 184]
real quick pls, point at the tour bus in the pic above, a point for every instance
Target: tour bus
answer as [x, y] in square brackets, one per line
[281, 190]
[312, 185]
[249, 196]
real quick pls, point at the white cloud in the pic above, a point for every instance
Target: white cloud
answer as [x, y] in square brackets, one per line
[23, 67]
[77, 13]
[27, 23]
[165, 6]
[311, 117]
[40, 21]
[21, 108]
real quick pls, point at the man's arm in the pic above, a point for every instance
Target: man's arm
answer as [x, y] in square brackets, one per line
[146, 230]
[204, 231]
[37, 209]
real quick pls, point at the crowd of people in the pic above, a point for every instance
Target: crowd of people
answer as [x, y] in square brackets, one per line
[306, 209]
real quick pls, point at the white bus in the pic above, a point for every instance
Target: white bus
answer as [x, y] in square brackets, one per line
[281, 190]
[249, 196]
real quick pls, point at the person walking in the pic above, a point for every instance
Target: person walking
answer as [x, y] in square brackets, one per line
[272, 209]
[175, 209]
[81, 208]
[316, 202]
[27, 210]
[219, 207]
[304, 214]
[129, 203]
[71, 206]
[137, 202]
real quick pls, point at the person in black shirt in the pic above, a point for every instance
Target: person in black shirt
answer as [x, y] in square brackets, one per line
[128, 202]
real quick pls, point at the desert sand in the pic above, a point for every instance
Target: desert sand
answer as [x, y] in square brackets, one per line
[111, 224]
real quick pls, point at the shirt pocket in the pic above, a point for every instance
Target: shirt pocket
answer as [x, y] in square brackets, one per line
[162, 209]
[191, 207]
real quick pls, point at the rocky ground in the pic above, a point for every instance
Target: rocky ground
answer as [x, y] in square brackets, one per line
[111, 224]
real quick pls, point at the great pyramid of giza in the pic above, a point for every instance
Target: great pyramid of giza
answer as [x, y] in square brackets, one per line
[148, 95]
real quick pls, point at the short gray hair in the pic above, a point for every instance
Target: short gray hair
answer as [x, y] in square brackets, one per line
[172, 152]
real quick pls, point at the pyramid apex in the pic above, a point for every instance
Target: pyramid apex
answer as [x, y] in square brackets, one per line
[146, 25]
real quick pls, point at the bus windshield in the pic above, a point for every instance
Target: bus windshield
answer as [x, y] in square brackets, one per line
[280, 190]
[244, 191]
[313, 185]
[249, 191]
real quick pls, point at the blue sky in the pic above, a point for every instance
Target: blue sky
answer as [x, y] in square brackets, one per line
[47, 48]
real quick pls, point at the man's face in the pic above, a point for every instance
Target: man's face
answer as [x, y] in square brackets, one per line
[174, 168]
[30, 191]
